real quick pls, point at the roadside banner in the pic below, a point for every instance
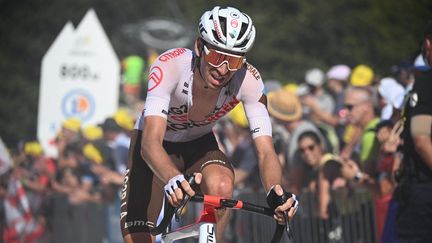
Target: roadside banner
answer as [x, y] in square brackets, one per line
[80, 78]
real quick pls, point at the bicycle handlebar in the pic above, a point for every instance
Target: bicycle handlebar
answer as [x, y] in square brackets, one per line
[219, 202]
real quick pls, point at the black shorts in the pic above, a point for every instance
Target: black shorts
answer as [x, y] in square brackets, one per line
[142, 193]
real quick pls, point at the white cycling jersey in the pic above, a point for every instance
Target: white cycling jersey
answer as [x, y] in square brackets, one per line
[170, 96]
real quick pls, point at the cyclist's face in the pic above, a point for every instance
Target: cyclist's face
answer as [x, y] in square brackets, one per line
[216, 73]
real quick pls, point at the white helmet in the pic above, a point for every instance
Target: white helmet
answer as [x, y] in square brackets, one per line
[228, 29]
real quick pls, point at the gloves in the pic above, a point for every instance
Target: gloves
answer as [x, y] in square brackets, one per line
[273, 200]
[173, 184]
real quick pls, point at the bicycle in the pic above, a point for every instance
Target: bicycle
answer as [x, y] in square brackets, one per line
[204, 226]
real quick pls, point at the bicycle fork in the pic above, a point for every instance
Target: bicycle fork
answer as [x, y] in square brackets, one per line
[207, 233]
[204, 228]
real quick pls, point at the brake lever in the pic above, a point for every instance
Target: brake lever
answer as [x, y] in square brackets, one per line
[185, 200]
[288, 226]
[180, 208]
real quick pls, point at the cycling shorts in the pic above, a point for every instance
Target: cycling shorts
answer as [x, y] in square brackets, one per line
[142, 192]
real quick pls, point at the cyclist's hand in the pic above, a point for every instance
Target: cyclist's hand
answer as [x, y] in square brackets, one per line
[277, 199]
[177, 185]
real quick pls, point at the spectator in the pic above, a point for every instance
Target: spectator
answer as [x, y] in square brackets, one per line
[414, 215]
[392, 96]
[285, 108]
[314, 78]
[133, 67]
[337, 82]
[311, 149]
[92, 133]
[124, 119]
[320, 173]
[35, 171]
[389, 160]
[361, 113]
[337, 78]
[118, 141]
[69, 134]
[404, 74]
[362, 76]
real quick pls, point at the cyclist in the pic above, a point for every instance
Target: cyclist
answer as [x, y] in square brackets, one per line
[188, 91]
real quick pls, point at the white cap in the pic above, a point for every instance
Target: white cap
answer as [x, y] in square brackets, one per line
[339, 72]
[314, 77]
[392, 92]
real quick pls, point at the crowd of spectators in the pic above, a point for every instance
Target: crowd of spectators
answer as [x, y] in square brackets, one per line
[88, 168]
[333, 130]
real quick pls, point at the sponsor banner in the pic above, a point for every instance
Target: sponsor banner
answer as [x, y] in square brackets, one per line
[80, 78]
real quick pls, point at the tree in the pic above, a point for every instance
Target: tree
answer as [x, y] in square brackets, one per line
[292, 36]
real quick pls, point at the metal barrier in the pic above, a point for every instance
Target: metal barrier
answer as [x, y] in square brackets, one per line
[352, 219]
[82, 223]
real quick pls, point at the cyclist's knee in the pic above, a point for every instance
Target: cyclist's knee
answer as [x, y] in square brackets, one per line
[220, 185]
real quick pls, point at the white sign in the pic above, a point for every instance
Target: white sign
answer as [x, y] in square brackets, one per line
[5, 158]
[80, 78]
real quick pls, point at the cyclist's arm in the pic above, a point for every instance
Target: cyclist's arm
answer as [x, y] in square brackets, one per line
[269, 165]
[163, 78]
[255, 102]
[152, 150]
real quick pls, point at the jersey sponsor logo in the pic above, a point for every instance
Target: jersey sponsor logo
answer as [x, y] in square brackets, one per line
[123, 214]
[172, 54]
[138, 223]
[253, 71]
[155, 77]
[178, 110]
[125, 185]
[178, 118]
[255, 130]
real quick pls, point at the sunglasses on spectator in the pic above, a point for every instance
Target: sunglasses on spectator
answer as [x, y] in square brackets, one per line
[308, 148]
[216, 58]
[350, 106]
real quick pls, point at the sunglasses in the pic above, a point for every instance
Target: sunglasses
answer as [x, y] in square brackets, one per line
[350, 106]
[216, 58]
[308, 148]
